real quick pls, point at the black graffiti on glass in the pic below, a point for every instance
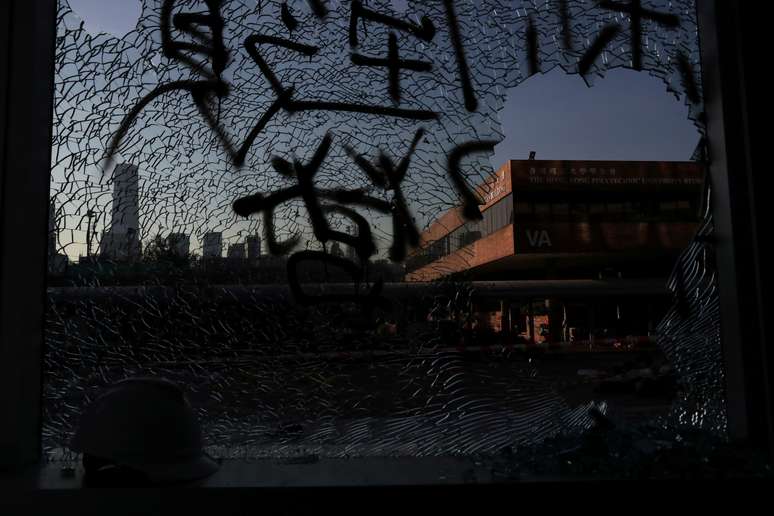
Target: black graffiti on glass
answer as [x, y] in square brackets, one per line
[318, 8]
[203, 44]
[287, 17]
[425, 30]
[393, 63]
[304, 190]
[385, 174]
[606, 36]
[532, 47]
[211, 87]
[286, 94]
[564, 16]
[637, 14]
[291, 22]
[337, 202]
[689, 79]
[471, 200]
[471, 102]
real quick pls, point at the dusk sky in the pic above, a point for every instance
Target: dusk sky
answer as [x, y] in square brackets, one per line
[625, 116]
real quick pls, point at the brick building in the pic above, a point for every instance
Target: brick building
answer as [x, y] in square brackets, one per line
[567, 221]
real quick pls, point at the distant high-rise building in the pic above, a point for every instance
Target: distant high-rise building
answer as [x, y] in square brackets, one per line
[57, 263]
[236, 251]
[180, 244]
[253, 247]
[212, 245]
[52, 230]
[122, 240]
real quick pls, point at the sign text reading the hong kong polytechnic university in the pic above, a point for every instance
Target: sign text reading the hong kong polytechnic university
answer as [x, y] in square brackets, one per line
[602, 173]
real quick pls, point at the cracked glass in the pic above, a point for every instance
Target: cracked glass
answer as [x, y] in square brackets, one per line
[276, 205]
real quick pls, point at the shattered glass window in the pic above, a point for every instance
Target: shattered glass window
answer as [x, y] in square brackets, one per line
[253, 198]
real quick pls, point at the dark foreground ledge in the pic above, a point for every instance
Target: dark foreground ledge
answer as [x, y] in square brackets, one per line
[366, 486]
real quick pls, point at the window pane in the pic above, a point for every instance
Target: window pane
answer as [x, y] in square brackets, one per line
[542, 209]
[579, 210]
[667, 206]
[615, 208]
[195, 195]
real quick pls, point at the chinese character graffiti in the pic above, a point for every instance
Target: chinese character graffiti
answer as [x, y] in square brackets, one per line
[301, 128]
[228, 93]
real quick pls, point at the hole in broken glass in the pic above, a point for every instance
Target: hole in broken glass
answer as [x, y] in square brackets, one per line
[625, 116]
[153, 273]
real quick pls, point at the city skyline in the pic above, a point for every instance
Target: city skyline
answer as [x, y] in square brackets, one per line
[626, 116]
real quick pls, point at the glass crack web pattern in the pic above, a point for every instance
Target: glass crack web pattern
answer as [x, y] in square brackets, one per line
[259, 370]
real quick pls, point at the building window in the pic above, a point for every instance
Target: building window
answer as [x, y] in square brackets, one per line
[561, 211]
[615, 208]
[542, 210]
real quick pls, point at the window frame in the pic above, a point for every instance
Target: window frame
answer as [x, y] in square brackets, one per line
[27, 42]
[27, 48]
[728, 83]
